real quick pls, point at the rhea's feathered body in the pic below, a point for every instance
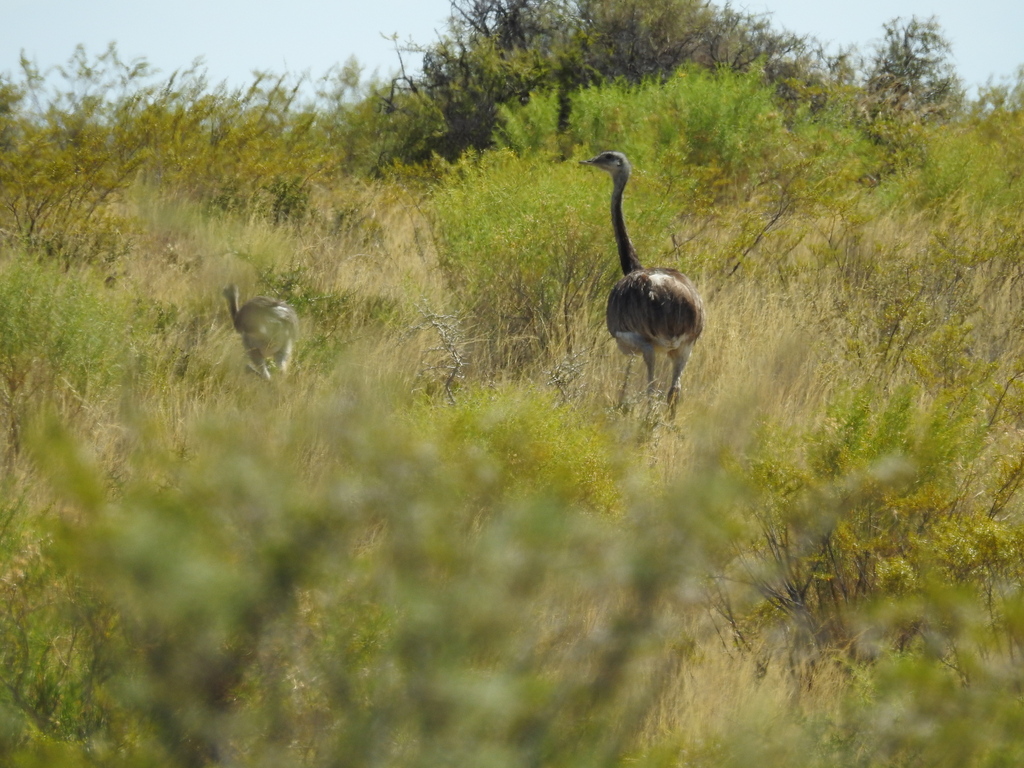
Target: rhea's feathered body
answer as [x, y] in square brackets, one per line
[269, 329]
[649, 310]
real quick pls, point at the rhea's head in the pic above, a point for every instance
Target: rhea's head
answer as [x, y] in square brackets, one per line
[614, 163]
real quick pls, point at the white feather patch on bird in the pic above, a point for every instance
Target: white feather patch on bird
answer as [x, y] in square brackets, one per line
[658, 278]
[673, 342]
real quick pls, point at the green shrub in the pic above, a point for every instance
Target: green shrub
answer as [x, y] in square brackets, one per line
[977, 162]
[64, 161]
[530, 128]
[56, 642]
[845, 514]
[526, 252]
[526, 445]
[64, 344]
[721, 120]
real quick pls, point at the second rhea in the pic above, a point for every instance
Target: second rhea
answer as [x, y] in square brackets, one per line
[269, 328]
[649, 310]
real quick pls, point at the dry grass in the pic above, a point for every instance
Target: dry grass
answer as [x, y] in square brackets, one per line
[731, 708]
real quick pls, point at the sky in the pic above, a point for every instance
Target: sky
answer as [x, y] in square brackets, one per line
[987, 35]
[233, 38]
[312, 36]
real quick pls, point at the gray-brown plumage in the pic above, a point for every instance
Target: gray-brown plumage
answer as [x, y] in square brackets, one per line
[268, 327]
[649, 310]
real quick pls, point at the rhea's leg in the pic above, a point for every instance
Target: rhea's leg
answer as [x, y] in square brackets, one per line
[259, 364]
[283, 356]
[679, 359]
[631, 344]
[649, 359]
[626, 379]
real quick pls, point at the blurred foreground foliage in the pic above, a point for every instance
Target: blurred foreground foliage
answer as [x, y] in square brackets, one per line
[402, 601]
[455, 533]
[487, 581]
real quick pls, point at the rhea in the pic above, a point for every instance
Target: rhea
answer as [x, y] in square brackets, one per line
[269, 328]
[650, 311]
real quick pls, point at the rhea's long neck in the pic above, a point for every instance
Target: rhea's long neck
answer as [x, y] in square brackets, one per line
[627, 253]
[232, 297]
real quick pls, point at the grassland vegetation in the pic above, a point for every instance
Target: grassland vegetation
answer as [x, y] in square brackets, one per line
[457, 532]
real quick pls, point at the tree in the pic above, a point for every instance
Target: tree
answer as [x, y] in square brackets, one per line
[910, 72]
[64, 160]
[499, 52]
[909, 84]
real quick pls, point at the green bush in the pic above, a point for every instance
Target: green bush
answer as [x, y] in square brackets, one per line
[530, 128]
[65, 343]
[64, 161]
[528, 260]
[977, 163]
[57, 642]
[718, 120]
[860, 510]
[524, 444]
